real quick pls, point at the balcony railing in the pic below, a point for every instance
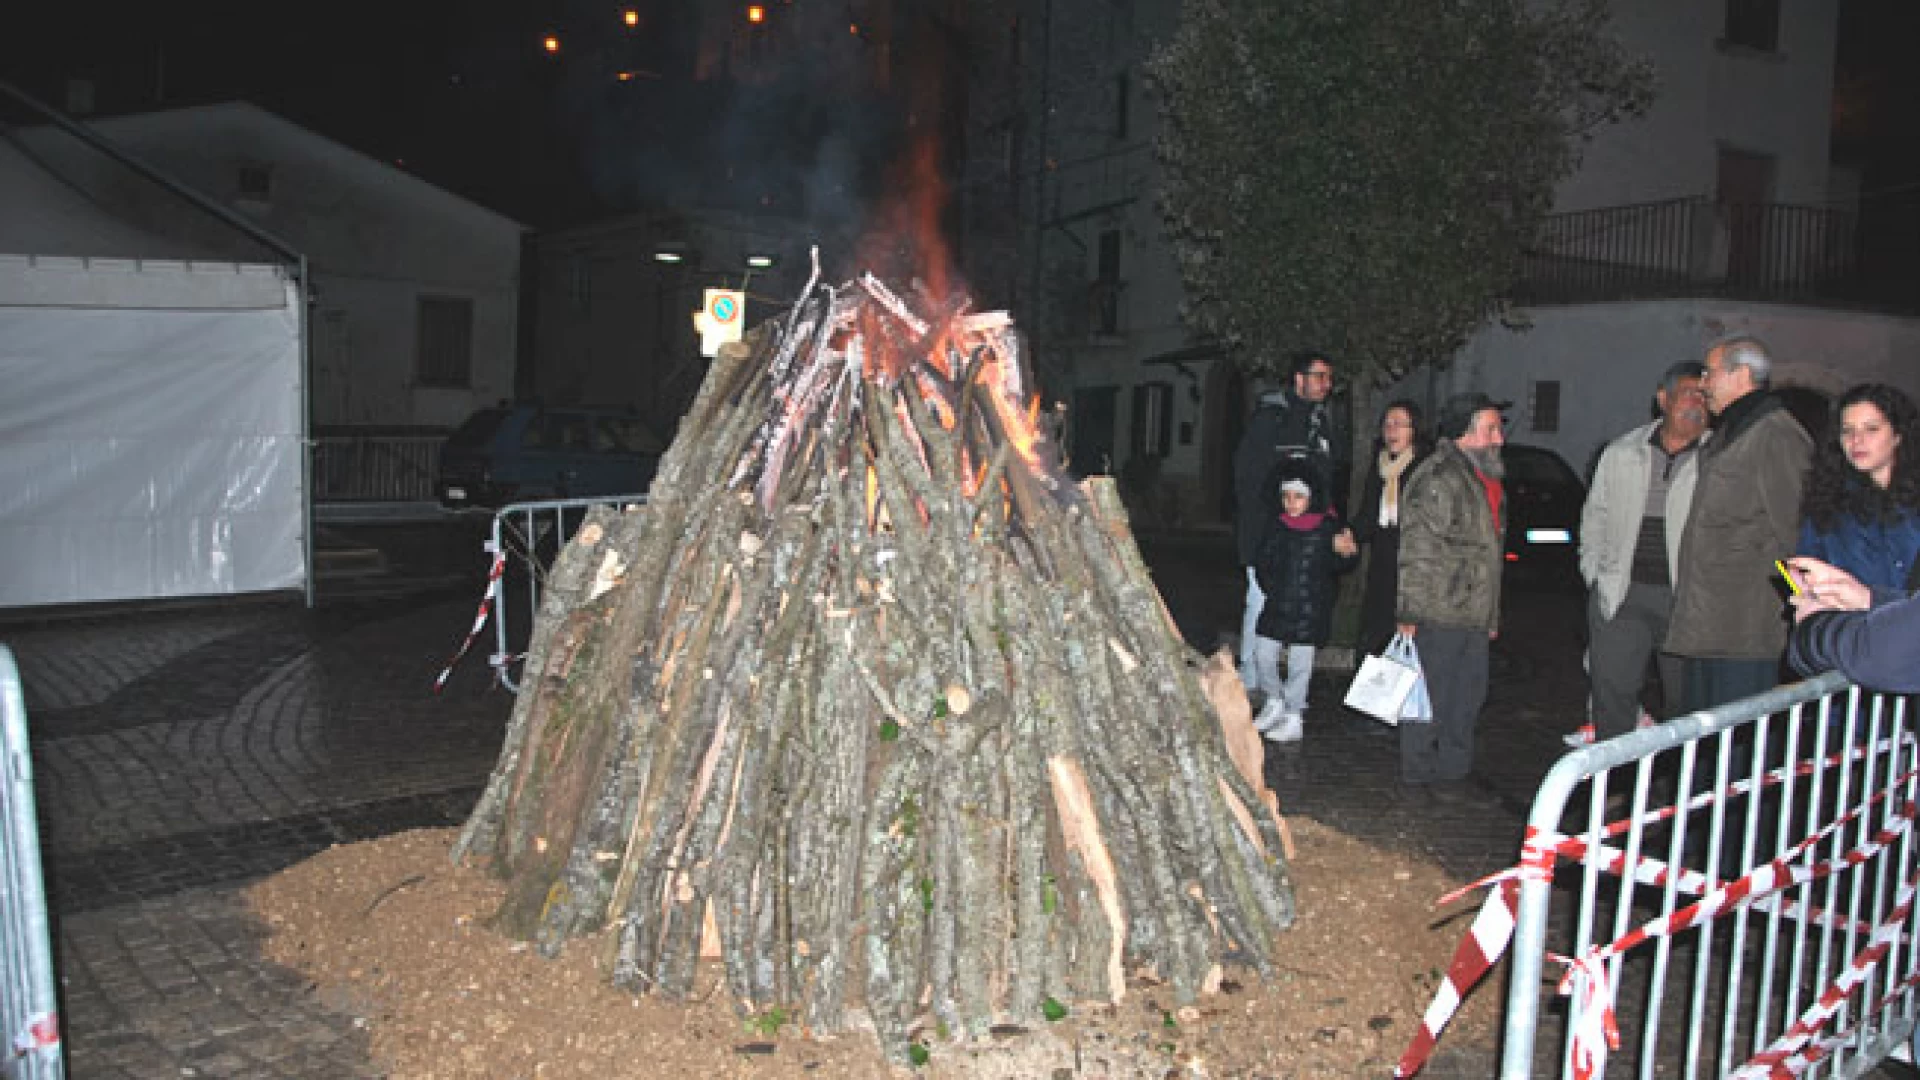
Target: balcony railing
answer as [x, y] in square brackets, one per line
[375, 468]
[1699, 247]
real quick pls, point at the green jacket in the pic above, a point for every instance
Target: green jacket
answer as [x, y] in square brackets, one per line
[1450, 546]
[1727, 603]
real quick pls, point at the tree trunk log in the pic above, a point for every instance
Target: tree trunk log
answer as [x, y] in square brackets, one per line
[882, 711]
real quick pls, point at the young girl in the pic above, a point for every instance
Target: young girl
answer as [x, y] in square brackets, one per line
[1296, 567]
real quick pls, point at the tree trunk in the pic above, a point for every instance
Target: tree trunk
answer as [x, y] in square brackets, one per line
[873, 705]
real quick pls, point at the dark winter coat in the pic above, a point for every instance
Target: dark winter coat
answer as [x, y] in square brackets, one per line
[1877, 553]
[1451, 548]
[1284, 431]
[1879, 649]
[1296, 568]
[1745, 514]
[1378, 602]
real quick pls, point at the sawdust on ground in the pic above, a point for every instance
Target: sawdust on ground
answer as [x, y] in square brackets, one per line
[392, 932]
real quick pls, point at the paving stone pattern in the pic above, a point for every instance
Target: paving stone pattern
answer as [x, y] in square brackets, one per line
[180, 754]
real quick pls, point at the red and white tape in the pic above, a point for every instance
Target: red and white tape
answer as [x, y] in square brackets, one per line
[41, 1031]
[1592, 1021]
[1791, 1054]
[494, 572]
[1485, 943]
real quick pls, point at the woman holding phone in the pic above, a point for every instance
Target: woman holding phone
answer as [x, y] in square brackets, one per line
[1861, 510]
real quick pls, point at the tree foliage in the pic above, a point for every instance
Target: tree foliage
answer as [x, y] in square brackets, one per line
[1359, 177]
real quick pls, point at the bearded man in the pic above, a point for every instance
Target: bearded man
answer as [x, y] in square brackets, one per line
[1452, 536]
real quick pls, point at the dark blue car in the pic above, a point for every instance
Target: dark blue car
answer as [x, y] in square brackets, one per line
[520, 453]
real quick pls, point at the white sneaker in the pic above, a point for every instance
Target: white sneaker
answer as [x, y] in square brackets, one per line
[1269, 717]
[1291, 728]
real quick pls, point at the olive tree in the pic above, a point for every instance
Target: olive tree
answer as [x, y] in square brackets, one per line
[1361, 177]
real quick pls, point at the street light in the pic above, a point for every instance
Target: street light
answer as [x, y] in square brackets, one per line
[551, 43]
[761, 262]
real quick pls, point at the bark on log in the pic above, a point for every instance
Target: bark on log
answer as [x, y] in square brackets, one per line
[881, 708]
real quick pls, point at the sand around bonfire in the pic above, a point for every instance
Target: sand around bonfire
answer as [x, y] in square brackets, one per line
[393, 932]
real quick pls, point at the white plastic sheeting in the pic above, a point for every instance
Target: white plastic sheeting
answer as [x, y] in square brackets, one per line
[150, 431]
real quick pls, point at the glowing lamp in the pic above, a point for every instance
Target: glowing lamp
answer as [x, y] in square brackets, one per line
[756, 13]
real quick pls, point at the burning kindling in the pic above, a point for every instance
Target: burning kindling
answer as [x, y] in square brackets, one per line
[876, 708]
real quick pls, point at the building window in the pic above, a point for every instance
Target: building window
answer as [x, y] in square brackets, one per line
[580, 284]
[1545, 406]
[1753, 24]
[254, 182]
[1152, 420]
[445, 342]
[1106, 286]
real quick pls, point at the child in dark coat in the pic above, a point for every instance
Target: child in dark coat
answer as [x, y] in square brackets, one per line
[1296, 567]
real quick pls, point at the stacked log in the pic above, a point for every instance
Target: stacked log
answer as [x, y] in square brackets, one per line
[874, 706]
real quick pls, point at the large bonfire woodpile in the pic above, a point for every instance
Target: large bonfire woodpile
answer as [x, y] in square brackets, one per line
[874, 706]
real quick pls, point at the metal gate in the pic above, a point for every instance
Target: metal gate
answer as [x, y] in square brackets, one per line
[28, 1012]
[1728, 894]
[526, 538]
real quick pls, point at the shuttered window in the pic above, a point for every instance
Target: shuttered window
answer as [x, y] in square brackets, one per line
[444, 353]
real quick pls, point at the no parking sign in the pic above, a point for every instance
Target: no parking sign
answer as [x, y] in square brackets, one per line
[720, 319]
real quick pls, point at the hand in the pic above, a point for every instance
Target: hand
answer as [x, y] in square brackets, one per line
[1343, 544]
[1824, 587]
[1407, 628]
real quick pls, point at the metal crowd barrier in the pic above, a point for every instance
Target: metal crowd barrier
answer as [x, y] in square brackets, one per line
[529, 535]
[1734, 894]
[29, 1017]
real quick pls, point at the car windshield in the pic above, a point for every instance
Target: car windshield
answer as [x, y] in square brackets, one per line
[478, 429]
[1529, 466]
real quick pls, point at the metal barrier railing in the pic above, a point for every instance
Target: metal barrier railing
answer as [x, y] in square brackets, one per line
[530, 535]
[29, 1017]
[1738, 900]
[375, 468]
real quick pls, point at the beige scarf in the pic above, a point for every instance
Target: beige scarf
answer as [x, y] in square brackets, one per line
[1390, 469]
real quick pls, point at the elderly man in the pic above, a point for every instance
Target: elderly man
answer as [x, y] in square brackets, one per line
[1728, 621]
[1452, 535]
[1630, 553]
[1292, 425]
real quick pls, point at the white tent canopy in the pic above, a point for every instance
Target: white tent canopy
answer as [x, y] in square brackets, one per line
[150, 430]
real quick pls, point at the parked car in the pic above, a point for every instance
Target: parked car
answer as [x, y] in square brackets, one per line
[1544, 496]
[517, 453]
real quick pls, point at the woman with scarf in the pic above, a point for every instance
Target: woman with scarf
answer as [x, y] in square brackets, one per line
[1403, 443]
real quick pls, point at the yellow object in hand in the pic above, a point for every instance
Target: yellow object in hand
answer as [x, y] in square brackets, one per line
[1791, 584]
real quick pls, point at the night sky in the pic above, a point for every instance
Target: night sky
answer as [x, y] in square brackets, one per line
[464, 95]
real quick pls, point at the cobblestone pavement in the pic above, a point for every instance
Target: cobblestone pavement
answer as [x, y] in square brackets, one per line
[180, 754]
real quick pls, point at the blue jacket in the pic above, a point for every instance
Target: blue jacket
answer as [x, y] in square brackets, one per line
[1880, 555]
[1879, 649]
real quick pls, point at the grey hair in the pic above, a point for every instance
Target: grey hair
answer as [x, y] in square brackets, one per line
[1685, 369]
[1747, 351]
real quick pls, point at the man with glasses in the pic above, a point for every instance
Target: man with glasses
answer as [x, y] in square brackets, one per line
[1630, 553]
[1289, 426]
[1728, 621]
